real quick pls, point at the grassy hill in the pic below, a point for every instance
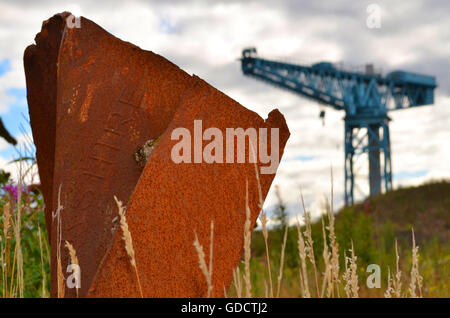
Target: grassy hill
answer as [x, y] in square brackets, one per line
[373, 227]
[426, 208]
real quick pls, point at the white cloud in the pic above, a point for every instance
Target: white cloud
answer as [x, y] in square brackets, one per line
[206, 38]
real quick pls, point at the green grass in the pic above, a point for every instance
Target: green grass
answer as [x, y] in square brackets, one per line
[372, 226]
[35, 260]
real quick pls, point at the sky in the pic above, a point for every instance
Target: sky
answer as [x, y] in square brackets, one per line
[206, 38]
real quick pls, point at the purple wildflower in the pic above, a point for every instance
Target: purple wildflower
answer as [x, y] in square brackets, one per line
[13, 190]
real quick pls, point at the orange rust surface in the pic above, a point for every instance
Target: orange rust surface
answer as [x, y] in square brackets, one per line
[40, 63]
[111, 98]
[173, 201]
[93, 99]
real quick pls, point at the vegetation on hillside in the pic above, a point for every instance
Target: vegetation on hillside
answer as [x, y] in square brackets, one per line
[372, 228]
[364, 234]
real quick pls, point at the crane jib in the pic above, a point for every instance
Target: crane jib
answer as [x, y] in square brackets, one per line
[366, 97]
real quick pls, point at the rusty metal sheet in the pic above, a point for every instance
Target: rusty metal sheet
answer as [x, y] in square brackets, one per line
[172, 201]
[111, 97]
[40, 63]
[94, 100]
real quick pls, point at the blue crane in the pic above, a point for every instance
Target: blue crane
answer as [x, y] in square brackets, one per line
[366, 97]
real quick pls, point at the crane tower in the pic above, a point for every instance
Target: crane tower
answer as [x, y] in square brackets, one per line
[366, 97]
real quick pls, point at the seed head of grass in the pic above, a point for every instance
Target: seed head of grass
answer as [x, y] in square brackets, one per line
[7, 220]
[60, 278]
[333, 242]
[397, 282]
[128, 240]
[390, 289]
[350, 275]
[303, 267]
[354, 273]
[416, 278]
[73, 260]
[327, 283]
[309, 243]
[206, 270]
[237, 281]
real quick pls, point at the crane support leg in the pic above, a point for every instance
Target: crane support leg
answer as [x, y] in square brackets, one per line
[367, 136]
[374, 159]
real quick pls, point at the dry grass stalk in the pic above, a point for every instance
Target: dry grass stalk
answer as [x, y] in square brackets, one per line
[390, 289]
[303, 272]
[346, 276]
[263, 218]
[5, 246]
[350, 275]
[416, 279]
[60, 275]
[59, 272]
[12, 287]
[2, 262]
[300, 278]
[247, 245]
[333, 243]
[397, 282]
[266, 290]
[7, 216]
[4, 270]
[283, 249]
[327, 283]
[211, 245]
[18, 250]
[73, 260]
[202, 262]
[44, 290]
[207, 271]
[60, 278]
[237, 282]
[309, 243]
[128, 241]
[354, 274]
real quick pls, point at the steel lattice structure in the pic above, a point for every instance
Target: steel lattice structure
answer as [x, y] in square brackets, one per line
[366, 97]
